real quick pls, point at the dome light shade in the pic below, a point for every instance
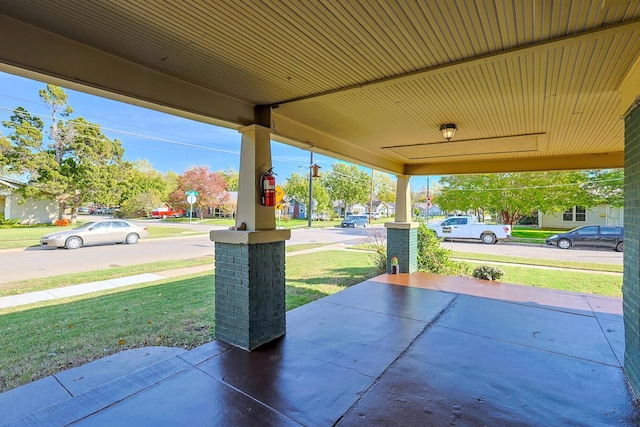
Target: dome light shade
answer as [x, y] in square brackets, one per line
[448, 131]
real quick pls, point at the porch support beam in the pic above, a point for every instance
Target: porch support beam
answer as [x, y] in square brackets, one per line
[250, 305]
[402, 234]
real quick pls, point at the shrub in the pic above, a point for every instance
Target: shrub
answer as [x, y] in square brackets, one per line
[377, 239]
[62, 222]
[8, 223]
[433, 258]
[486, 272]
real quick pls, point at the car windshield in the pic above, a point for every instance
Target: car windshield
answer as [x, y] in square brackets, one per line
[85, 226]
[352, 217]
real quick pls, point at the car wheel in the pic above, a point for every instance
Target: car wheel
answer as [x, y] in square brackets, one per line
[488, 239]
[564, 244]
[620, 247]
[132, 238]
[73, 242]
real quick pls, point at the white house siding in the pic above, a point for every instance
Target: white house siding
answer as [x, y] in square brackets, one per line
[32, 211]
[596, 215]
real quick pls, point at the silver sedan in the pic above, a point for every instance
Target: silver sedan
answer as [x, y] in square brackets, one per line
[96, 232]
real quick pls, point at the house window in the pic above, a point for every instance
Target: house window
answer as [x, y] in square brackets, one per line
[576, 213]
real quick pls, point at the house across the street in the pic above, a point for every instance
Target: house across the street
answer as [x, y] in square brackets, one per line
[27, 211]
[577, 216]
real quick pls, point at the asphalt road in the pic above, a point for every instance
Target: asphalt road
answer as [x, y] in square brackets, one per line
[37, 262]
[42, 261]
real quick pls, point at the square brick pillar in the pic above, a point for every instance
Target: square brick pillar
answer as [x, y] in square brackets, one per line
[631, 278]
[402, 235]
[402, 243]
[250, 307]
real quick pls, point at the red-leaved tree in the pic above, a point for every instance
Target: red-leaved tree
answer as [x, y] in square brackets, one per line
[210, 186]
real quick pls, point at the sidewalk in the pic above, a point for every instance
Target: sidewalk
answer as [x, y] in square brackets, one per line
[86, 288]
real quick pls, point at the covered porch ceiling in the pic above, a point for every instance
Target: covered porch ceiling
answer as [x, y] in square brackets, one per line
[533, 85]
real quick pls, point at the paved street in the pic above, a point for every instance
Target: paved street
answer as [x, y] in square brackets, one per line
[35, 262]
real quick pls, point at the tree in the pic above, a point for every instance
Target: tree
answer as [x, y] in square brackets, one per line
[80, 164]
[231, 177]
[141, 190]
[347, 183]
[210, 186]
[384, 188]
[513, 195]
[297, 187]
[605, 186]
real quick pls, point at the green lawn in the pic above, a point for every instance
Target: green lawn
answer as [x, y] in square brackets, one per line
[45, 338]
[532, 235]
[538, 262]
[574, 281]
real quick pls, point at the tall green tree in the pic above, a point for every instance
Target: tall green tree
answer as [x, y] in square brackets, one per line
[78, 164]
[142, 188]
[513, 195]
[297, 187]
[384, 188]
[347, 183]
[231, 177]
[605, 186]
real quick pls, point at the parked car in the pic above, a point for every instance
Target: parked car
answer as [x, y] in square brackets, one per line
[468, 227]
[354, 221]
[605, 236]
[96, 232]
[374, 215]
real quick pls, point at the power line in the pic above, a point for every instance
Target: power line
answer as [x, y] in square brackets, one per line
[443, 188]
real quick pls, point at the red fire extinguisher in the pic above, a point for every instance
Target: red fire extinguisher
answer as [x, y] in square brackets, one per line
[268, 181]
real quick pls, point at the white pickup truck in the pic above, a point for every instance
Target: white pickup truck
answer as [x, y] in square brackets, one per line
[467, 227]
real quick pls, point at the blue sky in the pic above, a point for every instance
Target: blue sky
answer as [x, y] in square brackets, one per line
[167, 142]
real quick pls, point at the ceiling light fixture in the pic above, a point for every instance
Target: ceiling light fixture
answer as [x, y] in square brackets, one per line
[448, 131]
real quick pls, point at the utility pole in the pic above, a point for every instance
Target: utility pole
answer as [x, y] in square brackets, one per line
[428, 200]
[371, 197]
[310, 191]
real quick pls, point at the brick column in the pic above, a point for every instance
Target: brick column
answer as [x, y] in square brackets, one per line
[250, 286]
[631, 281]
[402, 243]
[250, 258]
[402, 235]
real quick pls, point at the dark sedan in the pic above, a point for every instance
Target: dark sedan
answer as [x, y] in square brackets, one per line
[605, 236]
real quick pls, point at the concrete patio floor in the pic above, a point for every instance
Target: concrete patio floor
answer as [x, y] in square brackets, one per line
[397, 350]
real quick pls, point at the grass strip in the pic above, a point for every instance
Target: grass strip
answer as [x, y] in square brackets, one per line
[565, 280]
[52, 282]
[305, 246]
[612, 268]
